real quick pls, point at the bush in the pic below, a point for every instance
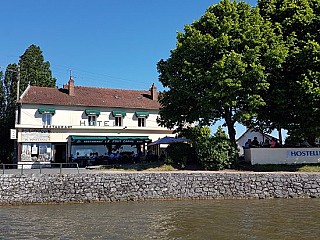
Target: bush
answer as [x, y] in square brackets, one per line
[216, 152]
[179, 154]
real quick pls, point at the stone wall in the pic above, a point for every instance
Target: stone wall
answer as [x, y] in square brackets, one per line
[36, 188]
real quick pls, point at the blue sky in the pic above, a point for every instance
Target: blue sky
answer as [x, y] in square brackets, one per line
[105, 43]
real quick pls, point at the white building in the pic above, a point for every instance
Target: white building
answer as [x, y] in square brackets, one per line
[54, 124]
[251, 134]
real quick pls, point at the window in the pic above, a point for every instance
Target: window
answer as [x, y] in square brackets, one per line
[141, 122]
[46, 119]
[92, 119]
[36, 152]
[118, 121]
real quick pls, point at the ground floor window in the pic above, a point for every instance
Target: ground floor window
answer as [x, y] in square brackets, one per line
[88, 150]
[33, 152]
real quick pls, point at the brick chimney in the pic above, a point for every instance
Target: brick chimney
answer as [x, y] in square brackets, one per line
[154, 93]
[71, 86]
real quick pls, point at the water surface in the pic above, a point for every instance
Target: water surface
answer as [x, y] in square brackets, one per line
[203, 219]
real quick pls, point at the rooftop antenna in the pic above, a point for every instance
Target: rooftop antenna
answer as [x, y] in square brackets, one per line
[70, 73]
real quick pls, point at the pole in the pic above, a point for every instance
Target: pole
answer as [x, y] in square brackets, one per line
[18, 84]
[16, 154]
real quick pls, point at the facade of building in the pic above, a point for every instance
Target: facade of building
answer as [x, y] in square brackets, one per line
[57, 125]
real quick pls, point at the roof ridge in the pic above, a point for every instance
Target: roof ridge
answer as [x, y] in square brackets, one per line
[120, 89]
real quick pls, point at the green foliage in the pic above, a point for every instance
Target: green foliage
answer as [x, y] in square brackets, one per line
[219, 68]
[293, 99]
[196, 133]
[33, 70]
[216, 153]
[180, 153]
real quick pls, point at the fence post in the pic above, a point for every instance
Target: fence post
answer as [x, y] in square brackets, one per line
[3, 167]
[21, 168]
[60, 168]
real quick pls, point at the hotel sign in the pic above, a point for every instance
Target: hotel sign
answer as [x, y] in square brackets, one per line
[13, 134]
[303, 153]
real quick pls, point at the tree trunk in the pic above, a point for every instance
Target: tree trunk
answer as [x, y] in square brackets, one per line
[280, 135]
[230, 126]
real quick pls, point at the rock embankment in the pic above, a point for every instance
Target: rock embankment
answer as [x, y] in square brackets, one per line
[37, 188]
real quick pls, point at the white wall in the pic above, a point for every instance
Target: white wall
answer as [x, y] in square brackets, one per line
[66, 122]
[282, 155]
[72, 116]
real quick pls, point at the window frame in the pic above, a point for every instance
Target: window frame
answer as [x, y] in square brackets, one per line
[46, 119]
[118, 121]
[94, 122]
[142, 122]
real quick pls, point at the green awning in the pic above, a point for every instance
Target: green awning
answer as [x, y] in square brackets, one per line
[124, 137]
[46, 110]
[127, 140]
[92, 112]
[118, 113]
[87, 139]
[142, 114]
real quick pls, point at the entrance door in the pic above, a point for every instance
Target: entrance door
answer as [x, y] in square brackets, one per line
[60, 153]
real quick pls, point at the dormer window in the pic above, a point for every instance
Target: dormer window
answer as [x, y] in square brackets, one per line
[46, 114]
[92, 114]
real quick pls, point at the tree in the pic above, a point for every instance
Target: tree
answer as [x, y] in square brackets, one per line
[34, 70]
[293, 99]
[196, 133]
[219, 68]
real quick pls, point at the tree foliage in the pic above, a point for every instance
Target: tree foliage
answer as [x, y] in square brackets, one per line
[196, 133]
[293, 99]
[219, 68]
[33, 70]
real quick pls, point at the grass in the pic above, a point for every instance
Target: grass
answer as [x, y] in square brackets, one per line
[161, 166]
[280, 168]
[153, 166]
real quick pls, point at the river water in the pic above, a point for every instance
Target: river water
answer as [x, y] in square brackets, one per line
[196, 219]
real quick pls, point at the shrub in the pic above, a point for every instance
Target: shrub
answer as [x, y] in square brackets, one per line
[216, 152]
[179, 153]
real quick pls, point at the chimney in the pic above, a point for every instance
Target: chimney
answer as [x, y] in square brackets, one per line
[154, 93]
[71, 86]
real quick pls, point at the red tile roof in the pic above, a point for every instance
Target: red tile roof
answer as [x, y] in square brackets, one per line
[91, 97]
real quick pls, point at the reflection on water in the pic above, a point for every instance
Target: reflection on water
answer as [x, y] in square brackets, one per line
[205, 219]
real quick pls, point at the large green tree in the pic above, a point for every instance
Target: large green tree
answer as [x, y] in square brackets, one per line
[33, 70]
[219, 68]
[293, 98]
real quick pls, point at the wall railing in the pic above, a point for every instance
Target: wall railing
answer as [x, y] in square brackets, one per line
[24, 167]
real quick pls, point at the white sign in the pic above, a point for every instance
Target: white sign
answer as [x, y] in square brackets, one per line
[34, 149]
[13, 134]
[35, 135]
[293, 153]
